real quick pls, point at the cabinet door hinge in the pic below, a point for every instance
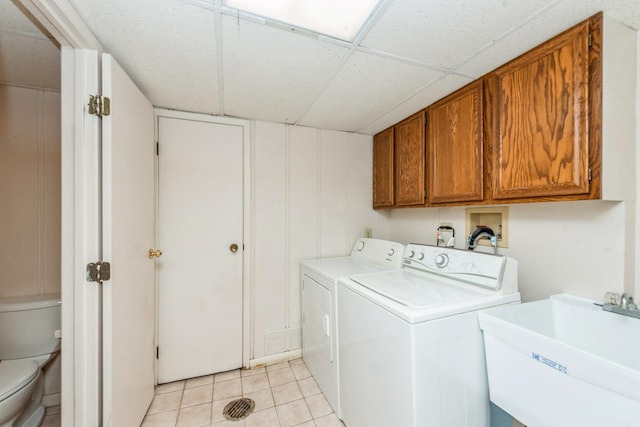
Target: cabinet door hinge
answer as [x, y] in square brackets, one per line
[590, 40]
[590, 174]
[99, 105]
[157, 148]
[98, 272]
[157, 352]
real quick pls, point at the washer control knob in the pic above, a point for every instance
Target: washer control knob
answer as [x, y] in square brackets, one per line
[421, 256]
[411, 254]
[360, 245]
[442, 260]
[391, 252]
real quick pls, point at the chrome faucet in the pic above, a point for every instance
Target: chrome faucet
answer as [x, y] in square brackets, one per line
[482, 233]
[624, 305]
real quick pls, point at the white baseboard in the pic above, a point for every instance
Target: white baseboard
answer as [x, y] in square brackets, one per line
[272, 359]
[52, 399]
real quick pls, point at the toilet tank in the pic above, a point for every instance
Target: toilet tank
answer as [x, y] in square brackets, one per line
[28, 326]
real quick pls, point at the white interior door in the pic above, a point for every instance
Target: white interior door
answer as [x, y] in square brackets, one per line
[200, 217]
[128, 234]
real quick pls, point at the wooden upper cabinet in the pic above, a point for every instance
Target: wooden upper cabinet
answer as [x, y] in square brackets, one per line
[455, 144]
[383, 169]
[539, 120]
[410, 161]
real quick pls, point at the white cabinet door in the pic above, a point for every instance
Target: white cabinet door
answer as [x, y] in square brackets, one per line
[200, 219]
[128, 217]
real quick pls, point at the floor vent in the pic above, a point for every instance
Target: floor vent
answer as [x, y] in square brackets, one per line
[238, 409]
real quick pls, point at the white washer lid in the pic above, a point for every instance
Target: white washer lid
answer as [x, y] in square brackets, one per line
[414, 290]
[14, 374]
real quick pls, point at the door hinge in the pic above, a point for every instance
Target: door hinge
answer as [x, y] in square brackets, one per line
[99, 105]
[590, 40]
[157, 148]
[590, 174]
[157, 352]
[98, 271]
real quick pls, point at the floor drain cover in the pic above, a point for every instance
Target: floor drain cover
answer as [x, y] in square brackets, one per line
[238, 409]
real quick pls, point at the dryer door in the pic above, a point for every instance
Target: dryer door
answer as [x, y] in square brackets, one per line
[318, 337]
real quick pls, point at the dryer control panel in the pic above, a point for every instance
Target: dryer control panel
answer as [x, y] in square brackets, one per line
[378, 251]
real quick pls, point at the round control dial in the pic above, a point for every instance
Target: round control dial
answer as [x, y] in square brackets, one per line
[442, 260]
[420, 256]
[411, 254]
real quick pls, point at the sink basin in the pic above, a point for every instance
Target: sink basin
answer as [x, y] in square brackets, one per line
[563, 362]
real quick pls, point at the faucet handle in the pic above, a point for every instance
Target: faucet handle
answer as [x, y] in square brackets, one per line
[612, 298]
[626, 302]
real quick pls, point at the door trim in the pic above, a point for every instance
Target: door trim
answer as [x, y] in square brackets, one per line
[80, 382]
[247, 291]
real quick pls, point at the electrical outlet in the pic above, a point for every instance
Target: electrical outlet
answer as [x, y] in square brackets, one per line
[368, 232]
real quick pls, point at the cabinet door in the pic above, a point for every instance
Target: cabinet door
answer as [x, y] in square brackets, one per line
[410, 161]
[383, 169]
[455, 146]
[539, 136]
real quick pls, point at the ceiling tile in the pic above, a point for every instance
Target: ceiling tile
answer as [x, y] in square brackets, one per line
[271, 74]
[13, 19]
[167, 47]
[29, 61]
[427, 96]
[364, 89]
[27, 56]
[445, 33]
[552, 22]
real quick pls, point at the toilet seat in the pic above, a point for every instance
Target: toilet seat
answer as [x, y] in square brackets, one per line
[15, 374]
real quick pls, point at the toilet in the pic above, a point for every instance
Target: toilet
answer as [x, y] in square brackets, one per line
[29, 339]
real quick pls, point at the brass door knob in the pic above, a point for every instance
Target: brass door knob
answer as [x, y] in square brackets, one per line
[233, 247]
[157, 253]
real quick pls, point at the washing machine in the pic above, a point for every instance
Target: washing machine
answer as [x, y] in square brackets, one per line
[410, 349]
[319, 279]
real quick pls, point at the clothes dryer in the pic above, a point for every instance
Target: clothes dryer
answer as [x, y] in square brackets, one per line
[319, 278]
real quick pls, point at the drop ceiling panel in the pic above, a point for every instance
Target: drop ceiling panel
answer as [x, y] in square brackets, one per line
[545, 26]
[446, 33]
[12, 19]
[271, 74]
[366, 87]
[427, 96]
[29, 61]
[167, 47]
[27, 57]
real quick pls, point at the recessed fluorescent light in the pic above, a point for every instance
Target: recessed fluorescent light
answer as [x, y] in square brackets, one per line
[341, 19]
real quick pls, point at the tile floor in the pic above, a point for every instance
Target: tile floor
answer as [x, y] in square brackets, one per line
[285, 395]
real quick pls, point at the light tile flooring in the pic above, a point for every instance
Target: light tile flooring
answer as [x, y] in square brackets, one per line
[285, 394]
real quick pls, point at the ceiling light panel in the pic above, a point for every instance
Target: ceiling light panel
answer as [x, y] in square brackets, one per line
[335, 18]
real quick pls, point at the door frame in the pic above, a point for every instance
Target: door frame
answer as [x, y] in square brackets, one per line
[80, 244]
[247, 288]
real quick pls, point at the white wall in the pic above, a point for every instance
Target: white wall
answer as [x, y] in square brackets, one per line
[29, 191]
[30, 200]
[574, 247]
[311, 197]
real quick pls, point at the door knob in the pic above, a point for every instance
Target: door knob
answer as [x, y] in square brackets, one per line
[157, 253]
[233, 247]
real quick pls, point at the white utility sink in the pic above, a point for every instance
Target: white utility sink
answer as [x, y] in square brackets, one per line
[563, 362]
